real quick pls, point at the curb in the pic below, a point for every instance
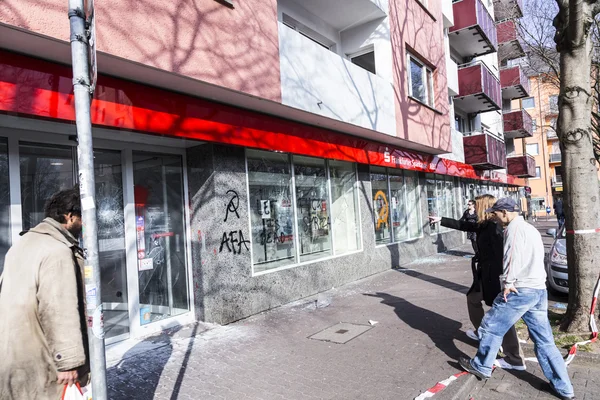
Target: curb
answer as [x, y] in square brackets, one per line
[462, 388]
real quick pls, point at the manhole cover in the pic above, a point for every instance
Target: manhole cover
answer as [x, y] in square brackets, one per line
[341, 333]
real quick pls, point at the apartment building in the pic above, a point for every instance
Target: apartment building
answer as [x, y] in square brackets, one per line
[253, 153]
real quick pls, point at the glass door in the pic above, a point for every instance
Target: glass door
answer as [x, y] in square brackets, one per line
[111, 242]
[160, 236]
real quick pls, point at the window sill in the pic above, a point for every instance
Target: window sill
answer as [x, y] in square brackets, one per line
[424, 7]
[426, 105]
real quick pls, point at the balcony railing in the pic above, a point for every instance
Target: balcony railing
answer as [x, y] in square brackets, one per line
[517, 124]
[508, 9]
[478, 89]
[474, 30]
[514, 82]
[509, 41]
[522, 166]
[484, 151]
[557, 181]
[551, 134]
[555, 157]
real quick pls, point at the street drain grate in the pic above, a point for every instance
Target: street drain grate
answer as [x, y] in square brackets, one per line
[341, 333]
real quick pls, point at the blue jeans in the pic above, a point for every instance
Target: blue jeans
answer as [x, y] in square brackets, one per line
[532, 305]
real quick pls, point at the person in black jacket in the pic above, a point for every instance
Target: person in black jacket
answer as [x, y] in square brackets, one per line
[487, 268]
[470, 215]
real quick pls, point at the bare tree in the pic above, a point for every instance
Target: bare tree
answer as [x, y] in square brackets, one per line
[574, 25]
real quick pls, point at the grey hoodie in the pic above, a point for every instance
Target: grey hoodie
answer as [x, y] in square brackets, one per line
[523, 256]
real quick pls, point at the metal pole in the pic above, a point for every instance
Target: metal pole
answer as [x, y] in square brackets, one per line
[85, 158]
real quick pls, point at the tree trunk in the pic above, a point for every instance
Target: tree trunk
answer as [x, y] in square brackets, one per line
[580, 175]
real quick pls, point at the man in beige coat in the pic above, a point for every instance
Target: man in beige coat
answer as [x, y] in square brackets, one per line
[43, 334]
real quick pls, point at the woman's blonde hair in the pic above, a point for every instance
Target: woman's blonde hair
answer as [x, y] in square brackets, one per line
[482, 203]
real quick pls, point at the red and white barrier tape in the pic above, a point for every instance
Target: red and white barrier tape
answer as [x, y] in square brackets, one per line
[439, 386]
[593, 326]
[582, 231]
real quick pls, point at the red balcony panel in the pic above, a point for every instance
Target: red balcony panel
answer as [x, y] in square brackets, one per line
[515, 84]
[509, 42]
[522, 166]
[517, 124]
[483, 151]
[474, 30]
[478, 89]
[508, 9]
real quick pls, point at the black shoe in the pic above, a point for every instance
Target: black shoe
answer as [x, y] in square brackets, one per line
[465, 363]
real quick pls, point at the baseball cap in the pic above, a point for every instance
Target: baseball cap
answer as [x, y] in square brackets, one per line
[505, 203]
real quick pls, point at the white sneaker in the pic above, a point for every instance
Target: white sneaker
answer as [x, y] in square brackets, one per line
[500, 363]
[472, 334]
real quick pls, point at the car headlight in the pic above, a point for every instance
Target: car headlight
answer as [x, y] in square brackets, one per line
[558, 258]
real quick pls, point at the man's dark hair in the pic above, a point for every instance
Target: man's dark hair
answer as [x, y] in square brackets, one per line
[62, 203]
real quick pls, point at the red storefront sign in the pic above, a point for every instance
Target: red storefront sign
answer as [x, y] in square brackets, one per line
[37, 88]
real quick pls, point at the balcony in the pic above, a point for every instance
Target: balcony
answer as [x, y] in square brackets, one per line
[517, 124]
[551, 134]
[479, 90]
[522, 166]
[474, 30]
[509, 42]
[557, 181]
[452, 72]
[319, 81]
[514, 82]
[508, 9]
[555, 157]
[484, 151]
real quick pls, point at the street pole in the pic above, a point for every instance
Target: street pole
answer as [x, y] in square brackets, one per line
[85, 157]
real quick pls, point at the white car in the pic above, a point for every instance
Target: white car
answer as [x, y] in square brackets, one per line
[556, 263]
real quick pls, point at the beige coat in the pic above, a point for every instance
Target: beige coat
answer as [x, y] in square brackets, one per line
[42, 314]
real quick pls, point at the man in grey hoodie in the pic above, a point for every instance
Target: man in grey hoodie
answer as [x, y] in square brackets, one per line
[524, 295]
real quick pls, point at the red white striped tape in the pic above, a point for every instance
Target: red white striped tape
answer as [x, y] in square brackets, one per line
[593, 326]
[582, 231]
[439, 386]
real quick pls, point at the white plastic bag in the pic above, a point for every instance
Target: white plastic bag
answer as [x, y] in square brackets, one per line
[72, 392]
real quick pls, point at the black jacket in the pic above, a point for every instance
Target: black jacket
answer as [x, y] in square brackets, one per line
[472, 218]
[487, 267]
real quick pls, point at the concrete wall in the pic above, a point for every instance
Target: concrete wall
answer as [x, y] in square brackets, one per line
[236, 48]
[319, 81]
[226, 291]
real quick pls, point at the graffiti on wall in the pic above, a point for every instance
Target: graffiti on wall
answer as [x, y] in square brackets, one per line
[233, 240]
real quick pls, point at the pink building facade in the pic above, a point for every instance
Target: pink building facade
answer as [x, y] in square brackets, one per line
[266, 150]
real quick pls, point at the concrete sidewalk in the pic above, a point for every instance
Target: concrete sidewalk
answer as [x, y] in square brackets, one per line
[421, 318]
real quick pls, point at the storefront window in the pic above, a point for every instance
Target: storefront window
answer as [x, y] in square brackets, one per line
[344, 206]
[381, 207]
[160, 227]
[111, 241]
[401, 205]
[271, 210]
[398, 206]
[413, 204]
[45, 170]
[441, 199]
[5, 234]
[312, 202]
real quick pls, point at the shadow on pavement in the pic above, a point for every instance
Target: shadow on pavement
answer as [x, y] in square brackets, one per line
[457, 287]
[441, 330]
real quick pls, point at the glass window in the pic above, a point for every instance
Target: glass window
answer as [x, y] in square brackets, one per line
[381, 208]
[413, 204]
[397, 206]
[111, 241]
[45, 170]
[420, 81]
[538, 172]
[441, 199]
[528, 102]
[160, 226]
[534, 124]
[5, 233]
[271, 210]
[312, 207]
[533, 149]
[344, 206]
[364, 59]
